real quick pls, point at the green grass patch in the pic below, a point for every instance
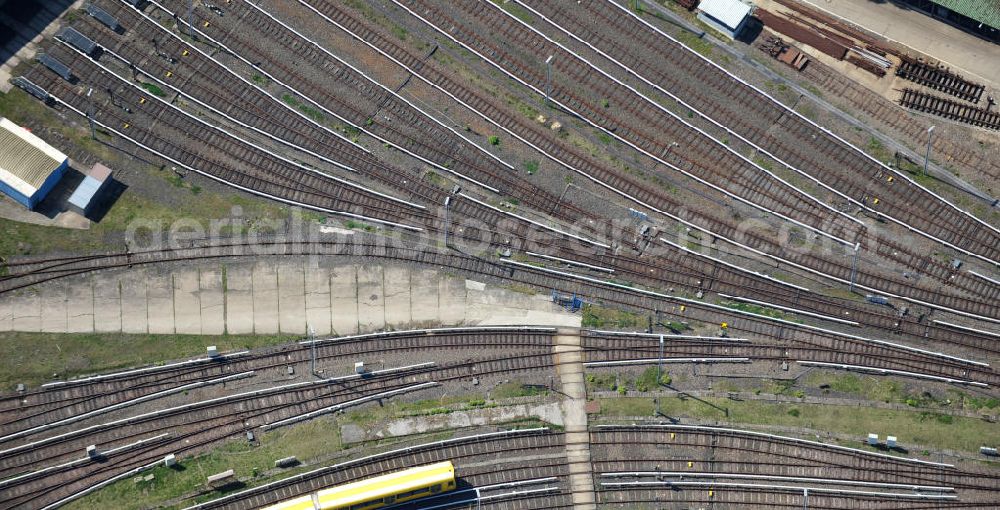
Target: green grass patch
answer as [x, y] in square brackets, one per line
[312, 113]
[153, 89]
[259, 80]
[867, 387]
[399, 32]
[494, 140]
[604, 138]
[32, 358]
[878, 150]
[764, 163]
[912, 427]
[309, 111]
[752, 308]
[525, 109]
[516, 389]
[398, 409]
[516, 10]
[437, 179]
[602, 381]
[357, 225]
[647, 380]
[306, 441]
[695, 43]
[531, 167]
[628, 406]
[595, 316]
[18, 238]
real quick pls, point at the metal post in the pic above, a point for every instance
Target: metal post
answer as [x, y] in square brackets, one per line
[189, 14]
[90, 114]
[927, 156]
[659, 376]
[548, 78]
[805, 498]
[854, 264]
[447, 203]
[312, 336]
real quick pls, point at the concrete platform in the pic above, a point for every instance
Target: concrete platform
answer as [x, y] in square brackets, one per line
[269, 297]
[965, 53]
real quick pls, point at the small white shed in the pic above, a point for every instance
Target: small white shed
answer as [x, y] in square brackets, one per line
[726, 16]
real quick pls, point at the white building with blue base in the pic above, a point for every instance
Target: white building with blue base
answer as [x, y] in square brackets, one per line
[29, 167]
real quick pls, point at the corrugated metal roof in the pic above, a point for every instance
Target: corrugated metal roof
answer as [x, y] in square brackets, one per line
[729, 12]
[983, 11]
[56, 66]
[25, 160]
[30, 87]
[85, 192]
[103, 16]
[80, 41]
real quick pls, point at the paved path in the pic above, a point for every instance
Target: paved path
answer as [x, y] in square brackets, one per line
[569, 366]
[269, 297]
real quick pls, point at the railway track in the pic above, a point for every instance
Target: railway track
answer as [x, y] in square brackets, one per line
[633, 120]
[56, 402]
[897, 321]
[605, 348]
[479, 460]
[943, 107]
[666, 268]
[897, 118]
[980, 282]
[718, 451]
[613, 294]
[193, 427]
[362, 103]
[938, 78]
[790, 137]
[220, 155]
[644, 195]
[503, 226]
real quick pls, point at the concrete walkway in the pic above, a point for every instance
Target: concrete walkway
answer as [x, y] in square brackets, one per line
[270, 297]
[569, 365]
[966, 53]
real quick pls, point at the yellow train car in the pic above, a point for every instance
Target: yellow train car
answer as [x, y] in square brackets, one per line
[384, 490]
